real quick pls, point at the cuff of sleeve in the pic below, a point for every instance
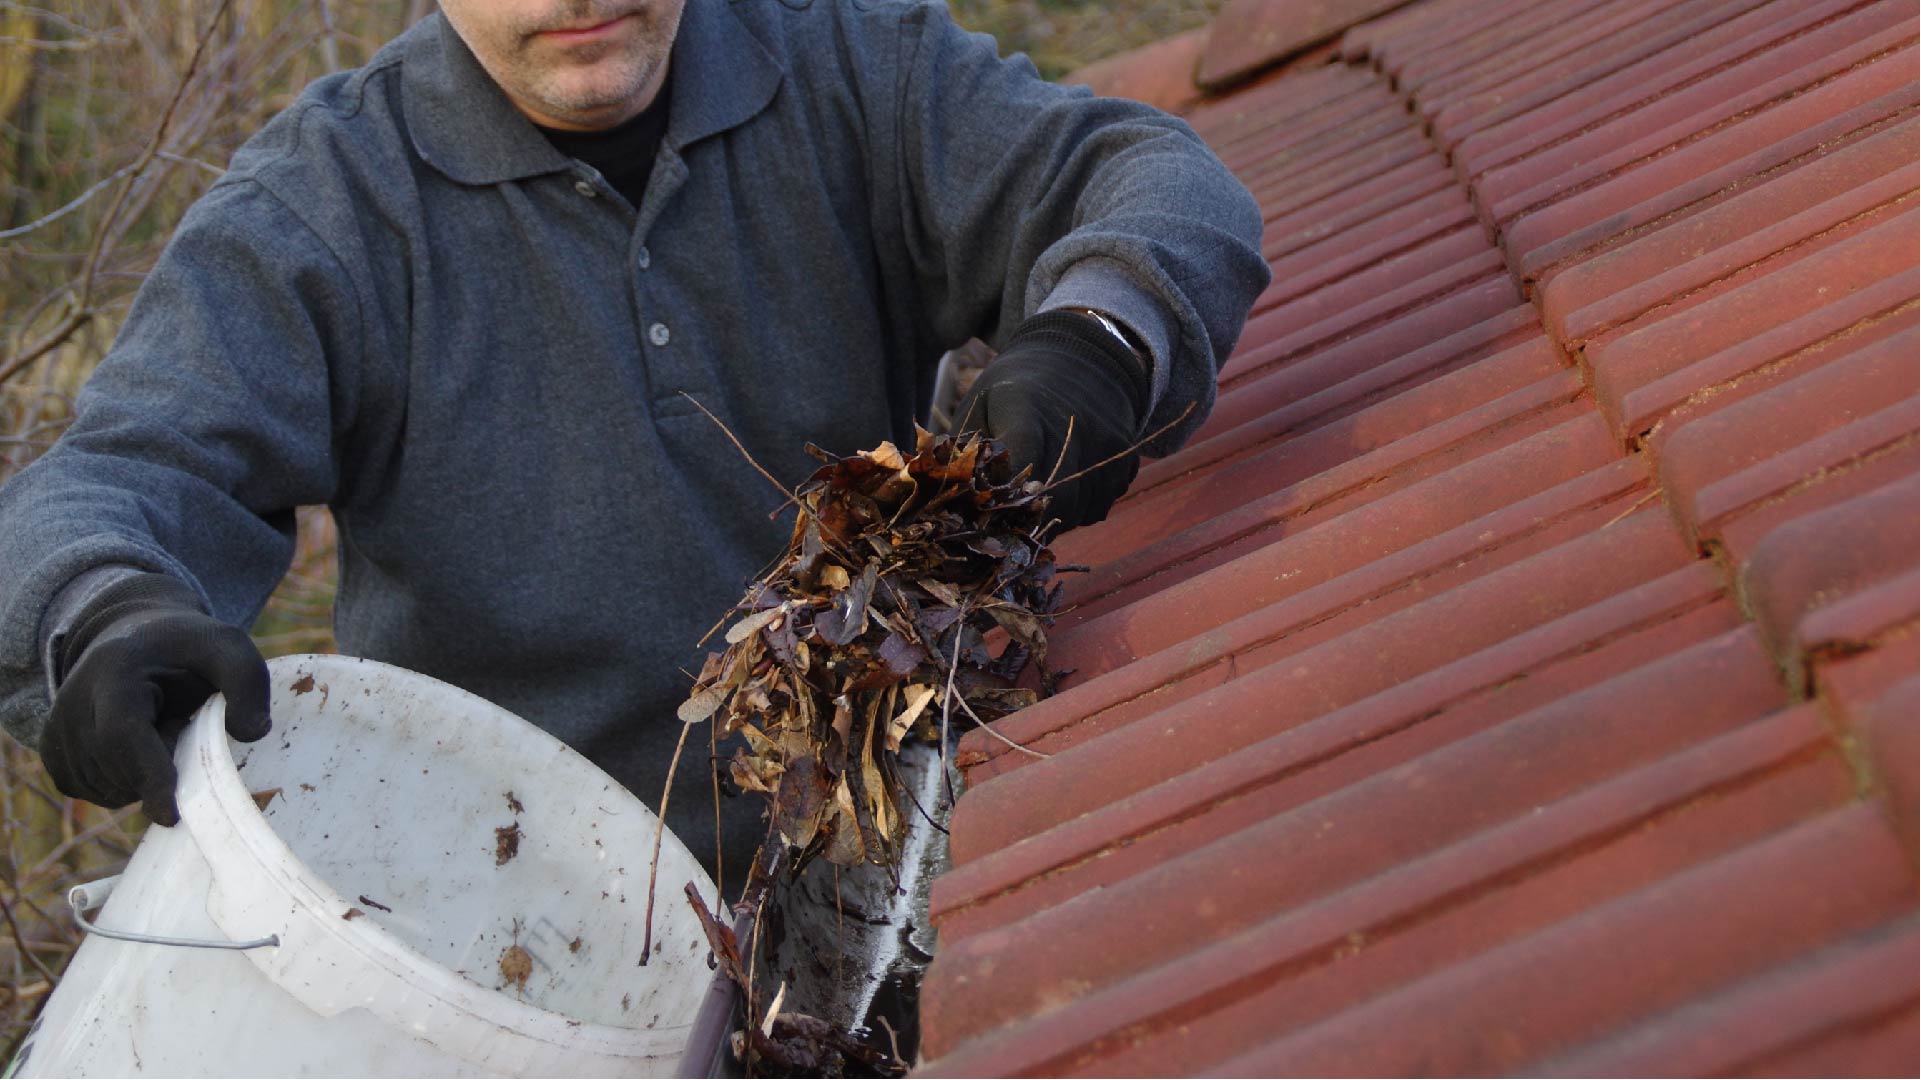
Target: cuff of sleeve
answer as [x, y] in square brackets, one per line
[1105, 286]
[69, 606]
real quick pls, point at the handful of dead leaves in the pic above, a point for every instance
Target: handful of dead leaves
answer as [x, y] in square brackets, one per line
[878, 624]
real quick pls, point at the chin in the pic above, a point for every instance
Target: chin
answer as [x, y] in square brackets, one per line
[589, 99]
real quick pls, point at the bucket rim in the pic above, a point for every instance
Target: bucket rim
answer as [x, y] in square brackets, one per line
[229, 820]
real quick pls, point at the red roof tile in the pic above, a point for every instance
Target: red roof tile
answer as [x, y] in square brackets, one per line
[1161, 74]
[1518, 670]
[1252, 34]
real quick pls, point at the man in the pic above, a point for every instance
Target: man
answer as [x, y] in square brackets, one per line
[469, 295]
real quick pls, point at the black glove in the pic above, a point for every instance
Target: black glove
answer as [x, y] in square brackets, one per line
[1062, 364]
[140, 659]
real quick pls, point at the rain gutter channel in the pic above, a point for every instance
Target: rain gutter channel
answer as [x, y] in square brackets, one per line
[848, 944]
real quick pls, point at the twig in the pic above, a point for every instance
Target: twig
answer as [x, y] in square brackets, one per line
[892, 1039]
[114, 821]
[753, 953]
[946, 705]
[925, 816]
[329, 40]
[773, 1009]
[20, 941]
[182, 159]
[81, 310]
[731, 437]
[720, 854]
[43, 45]
[1150, 437]
[1638, 503]
[1061, 458]
[660, 833]
[78, 201]
[985, 726]
[50, 16]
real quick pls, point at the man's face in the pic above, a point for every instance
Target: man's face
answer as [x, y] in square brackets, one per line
[577, 65]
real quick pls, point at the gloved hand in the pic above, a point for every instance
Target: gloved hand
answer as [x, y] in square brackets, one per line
[141, 658]
[1062, 364]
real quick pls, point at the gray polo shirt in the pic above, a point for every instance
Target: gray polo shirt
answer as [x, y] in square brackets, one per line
[402, 302]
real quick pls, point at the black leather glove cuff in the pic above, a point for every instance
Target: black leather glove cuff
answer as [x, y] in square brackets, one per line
[1067, 399]
[140, 594]
[1083, 339]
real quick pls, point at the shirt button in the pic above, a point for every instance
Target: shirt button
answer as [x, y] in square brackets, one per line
[658, 334]
[585, 188]
[646, 259]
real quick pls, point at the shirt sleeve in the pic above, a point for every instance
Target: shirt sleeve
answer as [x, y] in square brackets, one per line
[213, 416]
[1017, 195]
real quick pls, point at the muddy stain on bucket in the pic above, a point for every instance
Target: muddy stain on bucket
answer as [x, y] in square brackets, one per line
[506, 843]
[516, 964]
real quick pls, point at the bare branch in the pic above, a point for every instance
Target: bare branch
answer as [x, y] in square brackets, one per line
[78, 201]
[81, 312]
[20, 940]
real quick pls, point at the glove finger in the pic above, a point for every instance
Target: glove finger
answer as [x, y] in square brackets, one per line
[124, 714]
[58, 756]
[1069, 504]
[158, 778]
[227, 658]
[130, 754]
[1025, 438]
[1106, 488]
[971, 413]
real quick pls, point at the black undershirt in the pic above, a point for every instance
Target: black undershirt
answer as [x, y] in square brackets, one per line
[623, 154]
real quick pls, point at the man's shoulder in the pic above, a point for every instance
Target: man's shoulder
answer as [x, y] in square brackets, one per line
[344, 125]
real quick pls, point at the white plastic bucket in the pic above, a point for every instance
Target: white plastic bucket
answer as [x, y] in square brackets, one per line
[481, 833]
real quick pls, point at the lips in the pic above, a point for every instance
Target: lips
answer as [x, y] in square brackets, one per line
[585, 33]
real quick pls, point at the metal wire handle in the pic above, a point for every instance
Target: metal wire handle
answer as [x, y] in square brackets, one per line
[84, 898]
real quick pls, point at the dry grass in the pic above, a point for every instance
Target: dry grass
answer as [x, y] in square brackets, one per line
[109, 129]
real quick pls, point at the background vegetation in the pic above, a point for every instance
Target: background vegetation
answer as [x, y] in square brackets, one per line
[114, 116]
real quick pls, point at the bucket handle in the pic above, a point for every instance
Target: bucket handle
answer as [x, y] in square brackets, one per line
[86, 897]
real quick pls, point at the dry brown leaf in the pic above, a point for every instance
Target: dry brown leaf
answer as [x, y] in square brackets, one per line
[754, 624]
[917, 699]
[703, 704]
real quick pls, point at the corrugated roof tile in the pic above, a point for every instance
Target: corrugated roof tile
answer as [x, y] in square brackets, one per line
[1851, 321]
[1531, 599]
[1796, 208]
[1638, 69]
[1193, 526]
[1659, 348]
[1171, 914]
[1826, 558]
[1160, 74]
[1767, 1025]
[1252, 34]
[1552, 134]
[1670, 178]
[1540, 596]
[1471, 761]
[1794, 416]
[1700, 927]
[1158, 680]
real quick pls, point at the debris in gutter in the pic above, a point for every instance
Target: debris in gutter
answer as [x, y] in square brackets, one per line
[875, 627]
[915, 591]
